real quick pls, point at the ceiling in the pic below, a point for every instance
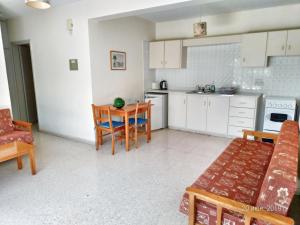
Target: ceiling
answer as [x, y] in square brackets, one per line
[12, 8]
[211, 8]
[189, 9]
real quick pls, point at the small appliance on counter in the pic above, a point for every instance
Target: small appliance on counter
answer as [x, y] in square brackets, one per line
[163, 85]
[155, 85]
[277, 110]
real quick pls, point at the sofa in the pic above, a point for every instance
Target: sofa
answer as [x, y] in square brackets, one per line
[11, 131]
[251, 182]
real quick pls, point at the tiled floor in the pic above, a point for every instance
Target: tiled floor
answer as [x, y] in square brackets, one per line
[77, 185]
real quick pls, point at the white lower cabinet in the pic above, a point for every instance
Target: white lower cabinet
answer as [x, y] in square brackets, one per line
[196, 112]
[217, 114]
[242, 114]
[213, 114]
[177, 110]
[207, 113]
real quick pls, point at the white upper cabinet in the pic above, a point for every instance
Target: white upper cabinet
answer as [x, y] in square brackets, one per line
[167, 55]
[177, 110]
[281, 43]
[293, 42]
[277, 43]
[173, 54]
[217, 114]
[156, 54]
[196, 112]
[253, 50]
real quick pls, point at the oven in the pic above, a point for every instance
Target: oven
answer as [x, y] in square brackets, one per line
[277, 110]
[275, 117]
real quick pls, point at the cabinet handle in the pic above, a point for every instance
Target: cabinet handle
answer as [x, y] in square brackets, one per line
[166, 62]
[289, 47]
[184, 101]
[204, 103]
[162, 62]
[282, 47]
[209, 103]
[244, 60]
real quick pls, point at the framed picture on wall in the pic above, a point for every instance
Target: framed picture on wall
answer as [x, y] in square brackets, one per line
[117, 60]
[200, 29]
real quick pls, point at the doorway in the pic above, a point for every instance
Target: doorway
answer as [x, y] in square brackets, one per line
[21, 84]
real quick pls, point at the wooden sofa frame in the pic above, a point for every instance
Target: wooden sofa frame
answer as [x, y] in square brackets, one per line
[249, 212]
[22, 125]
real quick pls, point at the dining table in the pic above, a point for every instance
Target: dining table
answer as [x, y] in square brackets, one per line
[126, 112]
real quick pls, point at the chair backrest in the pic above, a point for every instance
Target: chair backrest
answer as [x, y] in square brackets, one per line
[102, 114]
[141, 108]
[6, 124]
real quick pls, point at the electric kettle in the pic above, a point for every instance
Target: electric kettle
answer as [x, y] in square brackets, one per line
[163, 85]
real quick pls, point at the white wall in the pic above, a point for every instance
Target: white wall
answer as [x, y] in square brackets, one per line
[126, 35]
[4, 90]
[63, 96]
[280, 17]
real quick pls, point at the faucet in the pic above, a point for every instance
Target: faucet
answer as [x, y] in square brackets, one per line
[199, 87]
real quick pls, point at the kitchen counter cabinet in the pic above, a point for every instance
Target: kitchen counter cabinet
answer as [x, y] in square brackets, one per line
[177, 110]
[196, 112]
[216, 114]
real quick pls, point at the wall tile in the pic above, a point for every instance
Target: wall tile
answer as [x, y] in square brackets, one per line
[221, 65]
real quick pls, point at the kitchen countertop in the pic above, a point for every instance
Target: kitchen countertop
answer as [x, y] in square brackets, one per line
[242, 93]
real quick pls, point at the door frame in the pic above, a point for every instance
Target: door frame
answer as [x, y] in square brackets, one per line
[28, 42]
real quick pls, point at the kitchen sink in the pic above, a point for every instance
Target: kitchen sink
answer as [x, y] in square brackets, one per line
[198, 92]
[195, 92]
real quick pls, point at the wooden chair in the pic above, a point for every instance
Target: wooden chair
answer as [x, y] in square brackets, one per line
[138, 124]
[103, 122]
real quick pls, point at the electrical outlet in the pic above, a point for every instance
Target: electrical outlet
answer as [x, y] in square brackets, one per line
[73, 64]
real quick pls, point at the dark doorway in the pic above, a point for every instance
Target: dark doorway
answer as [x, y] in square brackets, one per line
[21, 85]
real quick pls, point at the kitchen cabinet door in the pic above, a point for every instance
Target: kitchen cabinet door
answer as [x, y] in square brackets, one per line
[217, 114]
[293, 42]
[156, 54]
[177, 110]
[253, 50]
[173, 54]
[276, 43]
[196, 112]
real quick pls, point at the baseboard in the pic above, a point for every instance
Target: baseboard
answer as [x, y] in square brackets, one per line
[201, 132]
[67, 137]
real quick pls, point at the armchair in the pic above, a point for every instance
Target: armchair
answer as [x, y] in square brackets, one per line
[11, 131]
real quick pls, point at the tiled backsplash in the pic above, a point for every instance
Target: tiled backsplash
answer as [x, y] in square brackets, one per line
[221, 65]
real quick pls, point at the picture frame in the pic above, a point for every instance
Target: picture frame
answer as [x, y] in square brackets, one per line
[117, 60]
[200, 29]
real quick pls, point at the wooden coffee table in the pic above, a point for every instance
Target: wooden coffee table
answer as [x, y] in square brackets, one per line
[16, 150]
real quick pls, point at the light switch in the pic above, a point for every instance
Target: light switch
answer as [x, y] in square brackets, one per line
[73, 64]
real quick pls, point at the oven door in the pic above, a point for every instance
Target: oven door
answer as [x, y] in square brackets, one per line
[275, 117]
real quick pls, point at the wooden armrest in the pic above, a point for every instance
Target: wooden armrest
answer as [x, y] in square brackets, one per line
[259, 135]
[249, 212]
[23, 125]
